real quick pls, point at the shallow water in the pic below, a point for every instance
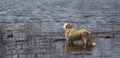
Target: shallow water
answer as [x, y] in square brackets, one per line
[47, 47]
[28, 18]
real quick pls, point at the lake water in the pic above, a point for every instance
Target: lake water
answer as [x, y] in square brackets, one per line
[47, 47]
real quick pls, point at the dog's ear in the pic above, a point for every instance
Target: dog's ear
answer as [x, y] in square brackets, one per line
[68, 25]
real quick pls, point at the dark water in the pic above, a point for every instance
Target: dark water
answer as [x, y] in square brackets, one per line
[47, 47]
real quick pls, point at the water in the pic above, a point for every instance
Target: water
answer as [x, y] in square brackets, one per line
[47, 47]
[30, 40]
[34, 25]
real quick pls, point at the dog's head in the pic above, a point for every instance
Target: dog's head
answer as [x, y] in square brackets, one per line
[67, 25]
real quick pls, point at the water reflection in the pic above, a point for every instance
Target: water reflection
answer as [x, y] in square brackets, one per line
[76, 49]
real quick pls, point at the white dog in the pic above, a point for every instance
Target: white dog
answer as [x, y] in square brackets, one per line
[75, 35]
